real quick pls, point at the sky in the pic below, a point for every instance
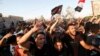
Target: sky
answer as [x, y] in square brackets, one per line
[35, 8]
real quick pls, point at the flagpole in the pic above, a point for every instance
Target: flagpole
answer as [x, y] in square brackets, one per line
[92, 8]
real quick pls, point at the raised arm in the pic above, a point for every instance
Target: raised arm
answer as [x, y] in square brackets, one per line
[79, 21]
[97, 21]
[58, 17]
[48, 27]
[26, 36]
[91, 19]
[53, 26]
[86, 46]
[2, 41]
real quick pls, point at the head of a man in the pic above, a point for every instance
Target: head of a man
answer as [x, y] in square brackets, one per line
[40, 39]
[58, 45]
[71, 29]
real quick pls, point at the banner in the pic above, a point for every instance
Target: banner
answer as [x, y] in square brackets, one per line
[80, 5]
[56, 10]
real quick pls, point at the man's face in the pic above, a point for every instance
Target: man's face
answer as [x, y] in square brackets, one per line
[40, 39]
[58, 46]
[72, 30]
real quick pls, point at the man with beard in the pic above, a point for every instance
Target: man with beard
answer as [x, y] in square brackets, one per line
[75, 42]
[38, 45]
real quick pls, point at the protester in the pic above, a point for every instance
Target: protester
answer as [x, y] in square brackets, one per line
[57, 37]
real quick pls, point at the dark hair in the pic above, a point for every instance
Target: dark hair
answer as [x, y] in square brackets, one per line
[11, 39]
[71, 24]
[57, 40]
[88, 26]
[95, 28]
[36, 34]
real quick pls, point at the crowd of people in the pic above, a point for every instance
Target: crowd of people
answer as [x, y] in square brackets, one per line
[58, 37]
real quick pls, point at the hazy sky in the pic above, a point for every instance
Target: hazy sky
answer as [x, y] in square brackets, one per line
[35, 8]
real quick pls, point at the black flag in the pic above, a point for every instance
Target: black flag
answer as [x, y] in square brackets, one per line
[79, 9]
[80, 5]
[56, 10]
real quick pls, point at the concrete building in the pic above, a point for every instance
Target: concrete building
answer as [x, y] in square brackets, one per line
[12, 19]
[5, 22]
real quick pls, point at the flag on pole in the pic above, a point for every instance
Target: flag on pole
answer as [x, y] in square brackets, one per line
[56, 10]
[80, 5]
[82, 1]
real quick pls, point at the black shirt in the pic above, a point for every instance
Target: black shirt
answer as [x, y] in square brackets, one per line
[74, 45]
[45, 51]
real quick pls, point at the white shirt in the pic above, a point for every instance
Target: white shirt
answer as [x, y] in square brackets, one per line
[12, 49]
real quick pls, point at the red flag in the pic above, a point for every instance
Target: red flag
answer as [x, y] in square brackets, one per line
[83, 1]
[80, 5]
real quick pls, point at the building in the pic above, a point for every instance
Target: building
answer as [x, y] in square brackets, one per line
[6, 22]
[95, 7]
